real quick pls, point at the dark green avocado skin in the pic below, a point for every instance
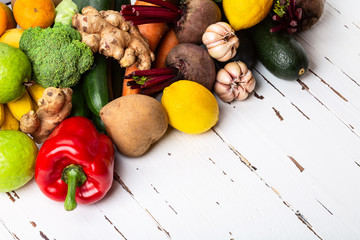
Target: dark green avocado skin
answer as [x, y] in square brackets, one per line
[280, 52]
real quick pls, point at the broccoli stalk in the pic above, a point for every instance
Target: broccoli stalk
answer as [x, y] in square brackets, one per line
[57, 55]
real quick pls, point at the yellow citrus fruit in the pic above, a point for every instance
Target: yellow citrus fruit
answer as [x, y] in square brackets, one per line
[244, 14]
[190, 106]
[12, 37]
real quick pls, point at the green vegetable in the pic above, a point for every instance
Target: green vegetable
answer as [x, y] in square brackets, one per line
[57, 55]
[95, 89]
[99, 124]
[65, 11]
[280, 52]
[79, 106]
[119, 3]
[98, 4]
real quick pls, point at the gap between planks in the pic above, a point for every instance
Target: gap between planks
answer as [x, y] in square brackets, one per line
[127, 189]
[253, 169]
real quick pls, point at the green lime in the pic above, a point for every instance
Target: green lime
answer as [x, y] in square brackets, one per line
[17, 159]
[15, 69]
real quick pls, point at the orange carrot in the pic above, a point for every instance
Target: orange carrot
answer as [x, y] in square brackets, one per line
[126, 90]
[166, 44]
[153, 32]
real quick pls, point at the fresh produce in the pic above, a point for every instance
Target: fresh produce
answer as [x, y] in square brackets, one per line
[297, 15]
[245, 52]
[17, 67]
[221, 41]
[17, 159]
[79, 106]
[12, 37]
[119, 3]
[95, 85]
[2, 114]
[99, 124]
[191, 18]
[134, 122]
[110, 35]
[7, 20]
[117, 76]
[56, 2]
[57, 55]
[191, 107]
[185, 61]
[65, 11]
[75, 164]
[152, 32]
[54, 106]
[100, 5]
[280, 52]
[34, 13]
[36, 91]
[244, 14]
[168, 42]
[234, 82]
[3, 21]
[10, 122]
[21, 106]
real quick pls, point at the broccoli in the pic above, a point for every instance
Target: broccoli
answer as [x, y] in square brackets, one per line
[57, 55]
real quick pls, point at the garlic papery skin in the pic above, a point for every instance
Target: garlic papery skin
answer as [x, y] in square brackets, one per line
[221, 41]
[234, 82]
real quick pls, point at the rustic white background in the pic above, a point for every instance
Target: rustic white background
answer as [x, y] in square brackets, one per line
[284, 164]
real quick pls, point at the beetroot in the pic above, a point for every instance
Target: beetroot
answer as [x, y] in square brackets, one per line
[191, 19]
[185, 61]
[297, 15]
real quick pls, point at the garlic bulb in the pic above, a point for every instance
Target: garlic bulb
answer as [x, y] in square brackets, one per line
[221, 41]
[234, 82]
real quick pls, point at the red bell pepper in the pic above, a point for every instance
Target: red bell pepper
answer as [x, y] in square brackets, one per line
[75, 164]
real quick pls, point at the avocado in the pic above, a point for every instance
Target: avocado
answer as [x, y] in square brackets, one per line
[280, 52]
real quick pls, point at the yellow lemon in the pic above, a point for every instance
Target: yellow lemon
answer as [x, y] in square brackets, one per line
[12, 37]
[244, 14]
[190, 106]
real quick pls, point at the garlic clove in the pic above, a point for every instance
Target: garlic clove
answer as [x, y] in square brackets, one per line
[224, 92]
[224, 77]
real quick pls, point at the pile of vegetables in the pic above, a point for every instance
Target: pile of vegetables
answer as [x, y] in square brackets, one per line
[97, 69]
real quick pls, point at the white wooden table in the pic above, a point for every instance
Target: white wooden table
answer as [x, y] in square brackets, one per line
[284, 164]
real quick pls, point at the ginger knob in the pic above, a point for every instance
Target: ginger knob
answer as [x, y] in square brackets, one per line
[234, 82]
[221, 41]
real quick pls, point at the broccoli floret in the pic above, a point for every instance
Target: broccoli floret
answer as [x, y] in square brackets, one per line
[57, 55]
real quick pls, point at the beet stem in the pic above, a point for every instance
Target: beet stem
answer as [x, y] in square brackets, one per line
[157, 80]
[147, 21]
[164, 4]
[158, 88]
[152, 72]
[166, 15]
[164, 12]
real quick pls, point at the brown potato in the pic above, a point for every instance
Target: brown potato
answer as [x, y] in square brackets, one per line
[134, 122]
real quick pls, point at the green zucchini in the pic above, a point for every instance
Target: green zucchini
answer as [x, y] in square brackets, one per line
[280, 52]
[119, 3]
[98, 4]
[117, 76]
[99, 124]
[95, 88]
[79, 106]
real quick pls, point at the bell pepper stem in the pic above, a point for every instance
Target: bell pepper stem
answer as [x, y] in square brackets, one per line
[74, 177]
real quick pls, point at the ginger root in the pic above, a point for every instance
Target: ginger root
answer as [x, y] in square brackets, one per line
[54, 106]
[109, 34]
